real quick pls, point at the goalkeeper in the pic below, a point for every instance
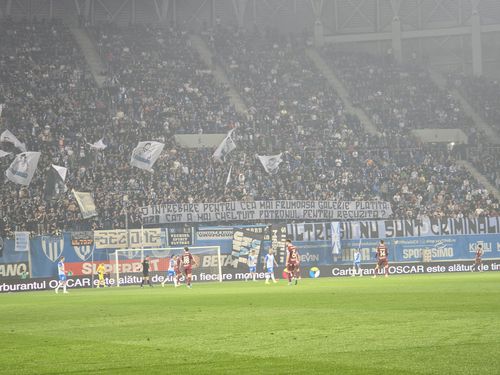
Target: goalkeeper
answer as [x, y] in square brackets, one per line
[100, 272]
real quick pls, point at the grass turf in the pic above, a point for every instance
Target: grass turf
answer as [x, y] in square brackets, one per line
[425, 324]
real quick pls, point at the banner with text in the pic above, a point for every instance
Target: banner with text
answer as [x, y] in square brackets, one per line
[265, 210]
[123, 239]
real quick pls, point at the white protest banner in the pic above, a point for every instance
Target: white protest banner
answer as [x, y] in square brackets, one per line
[265, 210]
[22, 241]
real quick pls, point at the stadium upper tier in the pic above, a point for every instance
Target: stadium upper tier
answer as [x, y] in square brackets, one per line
[157, 87]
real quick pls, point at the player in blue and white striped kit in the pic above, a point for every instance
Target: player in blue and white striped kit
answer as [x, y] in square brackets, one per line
[269, 263]
[62, 276]
[356, 269]
[252, 265]
[171, 271]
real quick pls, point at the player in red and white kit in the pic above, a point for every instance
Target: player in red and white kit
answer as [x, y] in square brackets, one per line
[382, 261]
[187, 261]
[177, 270]
[478, 262]
[292, 262]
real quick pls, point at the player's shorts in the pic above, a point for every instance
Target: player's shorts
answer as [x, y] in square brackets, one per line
[357, 264]
[188, 271]
[101, 277]
[170, 273]
[291, 267]
[270, 269]
[178, 272]
[62, 277]
[145, 274]
[252, 269]
[382, 263]
[478, 260]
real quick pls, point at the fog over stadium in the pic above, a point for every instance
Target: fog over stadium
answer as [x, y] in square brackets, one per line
[156, 143]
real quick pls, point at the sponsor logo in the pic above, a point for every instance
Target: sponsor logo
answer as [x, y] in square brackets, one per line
[487, 246]
[314, 272]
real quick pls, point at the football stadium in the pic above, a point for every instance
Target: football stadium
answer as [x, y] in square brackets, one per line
[250, 187]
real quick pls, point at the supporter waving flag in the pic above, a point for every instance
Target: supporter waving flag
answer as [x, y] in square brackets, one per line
[8, 137]
[226, 146]
[54, 185]
[99, 145]
[271, 163]
[23, 168]
[145, 154]
[86, 204]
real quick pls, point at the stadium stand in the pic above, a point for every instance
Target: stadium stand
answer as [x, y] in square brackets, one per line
[157, 86]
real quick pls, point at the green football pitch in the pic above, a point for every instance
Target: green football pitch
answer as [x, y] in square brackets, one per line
[426, 324]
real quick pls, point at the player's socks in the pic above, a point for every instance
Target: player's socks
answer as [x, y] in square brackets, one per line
[272, 277]
[57, 288]
[64, 288]
[267, 278]
[296, 281]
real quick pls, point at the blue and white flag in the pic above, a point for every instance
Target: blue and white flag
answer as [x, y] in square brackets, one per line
[226, 146]
[271, 163]
[8, 137]
[23, 168]
[145, 154]
[336, 247]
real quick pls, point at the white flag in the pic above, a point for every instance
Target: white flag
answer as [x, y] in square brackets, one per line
[146, 154]
[86, 204]
[1, 108]
[8, 137]
[228, 179]
[4, 153]
[226, 146]
[23, 168]
[62, 171]
[99, 145]
[271, 163]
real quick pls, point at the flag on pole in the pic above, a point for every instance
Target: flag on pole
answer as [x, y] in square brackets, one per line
[145, 154]
[228, 179]
[1, 108]
[23, 168]
[4, 153]
[99, 145]
[271, 163]
[86, 204]
[336, 246]
[55, 185]
[8, 137]
[226, 146]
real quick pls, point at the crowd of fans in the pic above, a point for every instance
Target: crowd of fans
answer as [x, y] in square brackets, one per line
[157, 86]
[332, 156]
[398, 98]
[483, 93]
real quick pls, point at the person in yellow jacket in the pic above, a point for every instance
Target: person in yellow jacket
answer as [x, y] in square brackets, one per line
[100, 272]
